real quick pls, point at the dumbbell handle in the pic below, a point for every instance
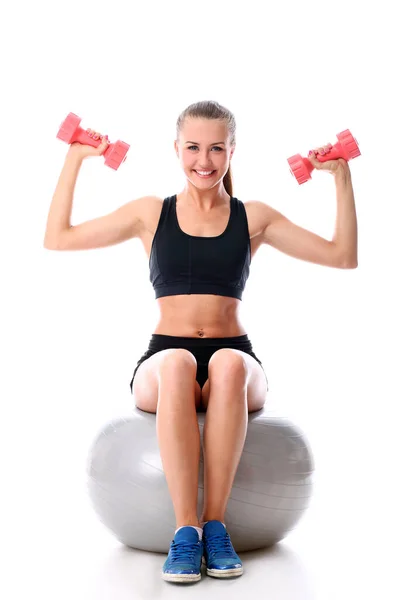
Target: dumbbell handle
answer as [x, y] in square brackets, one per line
[337, 151]
[83, 137]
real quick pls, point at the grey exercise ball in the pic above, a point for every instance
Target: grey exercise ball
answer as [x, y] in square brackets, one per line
[271, 490]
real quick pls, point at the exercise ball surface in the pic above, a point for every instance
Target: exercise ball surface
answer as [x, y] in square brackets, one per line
[270, 493]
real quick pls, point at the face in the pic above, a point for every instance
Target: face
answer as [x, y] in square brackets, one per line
[203, 145]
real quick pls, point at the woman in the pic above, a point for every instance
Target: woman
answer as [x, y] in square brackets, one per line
[200, 243]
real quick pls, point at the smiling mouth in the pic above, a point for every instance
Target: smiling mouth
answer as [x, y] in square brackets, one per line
[204, 176]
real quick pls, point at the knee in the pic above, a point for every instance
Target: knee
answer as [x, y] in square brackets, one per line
[228, 364]
[177, 361]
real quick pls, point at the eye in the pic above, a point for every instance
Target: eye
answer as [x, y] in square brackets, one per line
[218, 147]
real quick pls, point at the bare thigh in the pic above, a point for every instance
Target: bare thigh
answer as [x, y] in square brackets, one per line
[145, 384]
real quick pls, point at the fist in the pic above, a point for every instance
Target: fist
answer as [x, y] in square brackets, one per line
[85, 150]
[331, 166]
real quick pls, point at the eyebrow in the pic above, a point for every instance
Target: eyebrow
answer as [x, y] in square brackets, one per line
[197, 143]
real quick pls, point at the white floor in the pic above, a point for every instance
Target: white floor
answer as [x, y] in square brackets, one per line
[54, 547]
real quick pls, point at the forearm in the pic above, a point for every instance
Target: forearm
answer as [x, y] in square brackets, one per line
[345, 235]
[59, 218]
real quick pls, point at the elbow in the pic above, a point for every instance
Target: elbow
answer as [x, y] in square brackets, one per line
[47, 245]
[348, 260]
[349, 264]
[50, 244]
[57, 241]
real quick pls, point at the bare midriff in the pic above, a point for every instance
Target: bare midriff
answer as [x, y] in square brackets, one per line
[199, 316]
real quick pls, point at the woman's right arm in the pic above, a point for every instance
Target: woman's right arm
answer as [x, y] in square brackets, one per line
[121, 225]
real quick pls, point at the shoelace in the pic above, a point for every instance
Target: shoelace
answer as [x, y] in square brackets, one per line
[219, 545]
[183, 551]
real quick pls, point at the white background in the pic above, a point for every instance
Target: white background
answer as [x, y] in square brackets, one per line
[74, 324]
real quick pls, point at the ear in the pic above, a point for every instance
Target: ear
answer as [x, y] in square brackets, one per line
[176, 148]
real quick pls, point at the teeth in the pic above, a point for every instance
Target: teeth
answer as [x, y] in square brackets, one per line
[204, 172]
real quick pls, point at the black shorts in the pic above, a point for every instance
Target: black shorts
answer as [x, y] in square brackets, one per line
[201, 348]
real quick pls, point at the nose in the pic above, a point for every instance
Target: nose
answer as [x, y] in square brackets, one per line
[204, 162]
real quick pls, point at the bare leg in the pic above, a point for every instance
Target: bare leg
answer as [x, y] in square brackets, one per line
[178, 434]
[224, 436]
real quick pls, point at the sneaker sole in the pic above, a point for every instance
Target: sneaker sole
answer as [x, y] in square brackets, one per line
[221, 573]
[181, 577]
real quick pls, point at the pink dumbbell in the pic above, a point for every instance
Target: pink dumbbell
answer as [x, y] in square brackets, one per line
[346, 147]
[70, 132]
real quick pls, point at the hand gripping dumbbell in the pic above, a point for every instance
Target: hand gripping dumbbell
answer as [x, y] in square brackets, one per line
[346, 147]
[70, 132]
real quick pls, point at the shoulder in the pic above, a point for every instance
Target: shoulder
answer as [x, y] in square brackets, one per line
[150, 204]
[259, 216]
[150, 208]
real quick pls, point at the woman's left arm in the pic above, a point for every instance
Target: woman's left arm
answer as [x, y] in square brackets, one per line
[340, 252]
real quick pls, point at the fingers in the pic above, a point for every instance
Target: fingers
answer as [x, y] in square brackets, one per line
[319, 163]
[93, 134]
[97, 136]
[321, 150]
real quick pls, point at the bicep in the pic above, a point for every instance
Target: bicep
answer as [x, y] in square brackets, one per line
[287, 237]
[122, 224]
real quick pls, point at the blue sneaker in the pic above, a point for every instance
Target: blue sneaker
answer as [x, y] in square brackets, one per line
[184, 557]
[219, 554]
